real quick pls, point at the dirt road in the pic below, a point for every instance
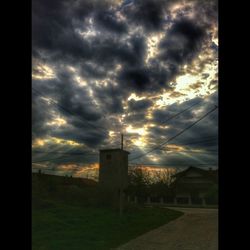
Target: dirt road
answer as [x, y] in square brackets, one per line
[197, 229]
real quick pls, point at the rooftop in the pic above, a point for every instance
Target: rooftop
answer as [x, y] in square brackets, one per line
[113, 149]
[209, 173]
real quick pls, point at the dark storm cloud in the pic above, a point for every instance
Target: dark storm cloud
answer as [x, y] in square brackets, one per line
[201, 137]
[182, 42]
[140, 105]
[74, 104]
[66, 93]
[110, 99]
[40, 117]
[180, 160]
[91, 138]
[54, 23]
[57, 36]
[108, 21]
[137, 79]
[76, 99]
[148, 13]
[160, 116]
[49, 21]
[204, 130]
[137, 119]
[96, 37]
[91, 70]
[145, 78]
[110, 51]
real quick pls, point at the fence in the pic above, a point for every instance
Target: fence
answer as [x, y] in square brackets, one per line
[172, 201]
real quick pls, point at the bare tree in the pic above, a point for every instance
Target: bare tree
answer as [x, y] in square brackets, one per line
[138, 176]
[163, 176]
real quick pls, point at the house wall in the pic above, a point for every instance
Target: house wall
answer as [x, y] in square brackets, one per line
[192, 185]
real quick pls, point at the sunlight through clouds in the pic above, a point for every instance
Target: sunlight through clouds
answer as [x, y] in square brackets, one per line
[103, 68]
[43, 71]
[57, 122]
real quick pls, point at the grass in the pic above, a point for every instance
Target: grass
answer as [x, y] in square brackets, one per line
[58, 226]
[66, 217]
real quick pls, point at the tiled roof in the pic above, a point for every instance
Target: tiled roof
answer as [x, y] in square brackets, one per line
[207, 173]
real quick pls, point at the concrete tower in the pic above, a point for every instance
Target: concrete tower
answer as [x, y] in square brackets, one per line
[113, 171]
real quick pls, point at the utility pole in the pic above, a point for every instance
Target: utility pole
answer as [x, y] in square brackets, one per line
[121, 140]
[120, 192]
[121, 183]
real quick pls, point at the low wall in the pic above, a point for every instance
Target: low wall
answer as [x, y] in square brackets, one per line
[161, 202]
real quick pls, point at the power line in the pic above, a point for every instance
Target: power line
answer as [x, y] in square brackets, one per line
[202, 139]
[96, 154]
[67, 111]
[183, 164]
[183, 144]
[178, 134]
[55, 167]
[64, 153]
[170, 118]
[198, 142]
[57, 158]
[52, 159]
[83, 154]
[49, 160]
[178, 166]
[177, 114]
[192, 151]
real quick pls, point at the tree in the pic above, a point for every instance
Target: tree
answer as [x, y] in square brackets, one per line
[164, 176]
[154, 183]
[139, 177]
[139, 181]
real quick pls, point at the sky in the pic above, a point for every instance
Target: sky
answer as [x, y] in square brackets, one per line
[144, 68]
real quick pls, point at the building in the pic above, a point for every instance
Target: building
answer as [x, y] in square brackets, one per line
[113, 171]
[192, 185]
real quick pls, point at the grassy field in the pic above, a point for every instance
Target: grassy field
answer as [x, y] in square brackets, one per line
[57, 226]
[61, 221]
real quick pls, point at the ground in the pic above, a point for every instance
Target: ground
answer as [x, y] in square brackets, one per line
[67, 217]
[58, 226]
[197, 229]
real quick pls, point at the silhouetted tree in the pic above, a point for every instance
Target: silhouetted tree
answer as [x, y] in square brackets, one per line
[155, 183]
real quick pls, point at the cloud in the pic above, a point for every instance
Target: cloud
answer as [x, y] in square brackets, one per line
[149, 14]
[201, 137]
[182, 42]
[90, 57]
[108, 21]
[110, 98]
[40, 116]
[140, 105]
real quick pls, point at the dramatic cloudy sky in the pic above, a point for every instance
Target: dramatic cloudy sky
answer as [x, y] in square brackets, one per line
[100, 68]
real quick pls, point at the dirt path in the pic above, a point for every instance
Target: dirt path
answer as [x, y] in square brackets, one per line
[197, 229]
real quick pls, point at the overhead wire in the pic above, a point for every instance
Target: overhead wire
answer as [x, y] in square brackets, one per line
[178, 134]
[67, 110]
